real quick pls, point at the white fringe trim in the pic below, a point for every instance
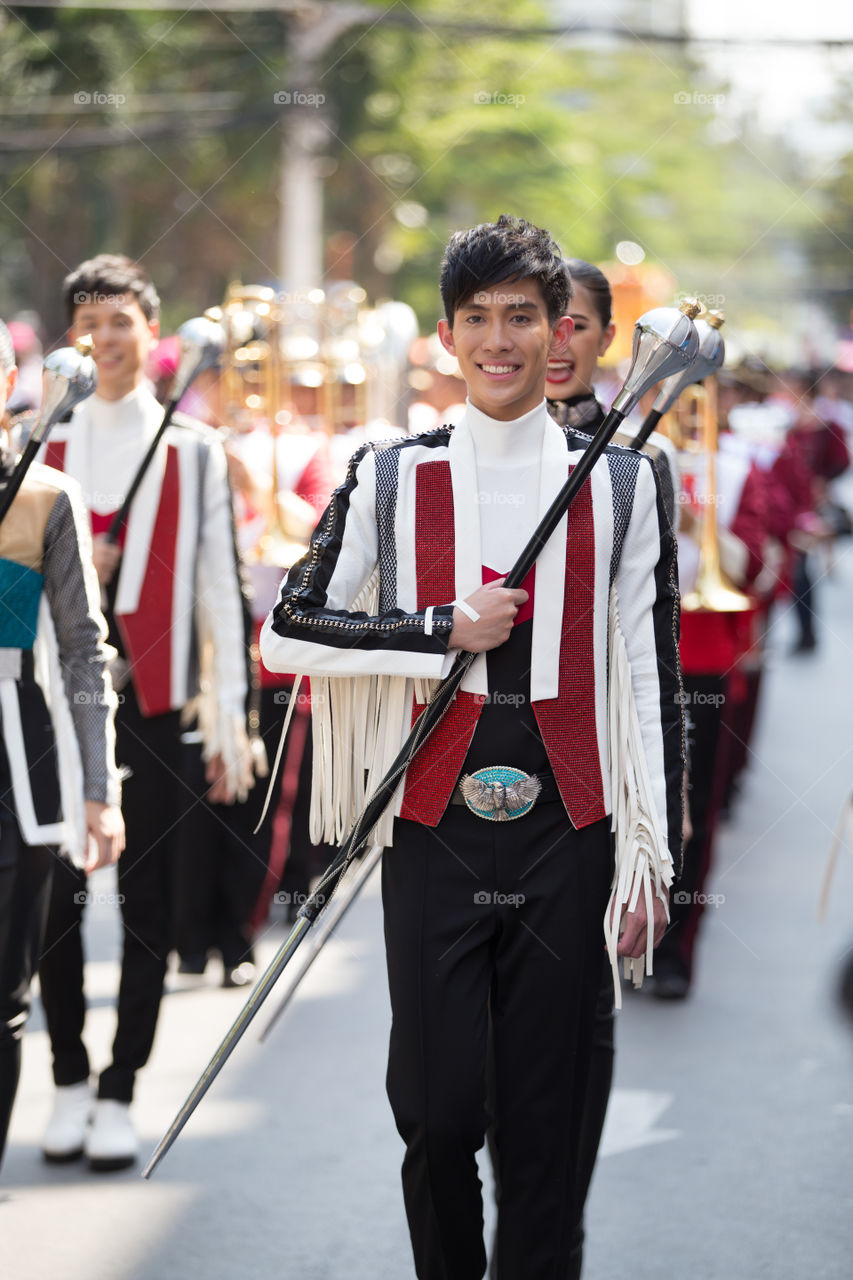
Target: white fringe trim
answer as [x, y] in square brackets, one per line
[224, 734]
[359, 725]
[642, 854]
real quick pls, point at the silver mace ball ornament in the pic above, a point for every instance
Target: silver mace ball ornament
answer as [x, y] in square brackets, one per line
[666, 345]
[709, 359]
[202, 344]
[69, 377]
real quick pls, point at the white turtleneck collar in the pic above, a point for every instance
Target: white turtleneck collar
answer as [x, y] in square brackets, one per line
[117, 414]
[507, 442]
[107, 454]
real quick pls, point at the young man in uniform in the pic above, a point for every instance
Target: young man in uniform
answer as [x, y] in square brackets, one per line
[174, 610]
[495, 896]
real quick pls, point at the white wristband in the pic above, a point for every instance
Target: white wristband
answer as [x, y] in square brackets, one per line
[467, 610]
[428, 612]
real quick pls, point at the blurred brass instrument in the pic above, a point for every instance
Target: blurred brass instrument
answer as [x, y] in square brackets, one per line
[254, 391]
[695, 434]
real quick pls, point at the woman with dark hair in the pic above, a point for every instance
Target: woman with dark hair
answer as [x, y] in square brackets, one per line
[571, 399]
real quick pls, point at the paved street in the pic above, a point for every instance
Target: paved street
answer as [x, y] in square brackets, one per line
[727, 1154]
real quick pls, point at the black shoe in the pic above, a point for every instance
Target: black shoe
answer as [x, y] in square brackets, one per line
[806, 644]
[242, 975]
[671, 986]
[192, 962]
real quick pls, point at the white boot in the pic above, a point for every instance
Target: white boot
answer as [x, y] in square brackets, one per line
[66, 1130]
[111, 1142]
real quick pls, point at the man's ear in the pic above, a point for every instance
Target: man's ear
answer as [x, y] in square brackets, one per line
[445, 336]
[561, 336]
[154, 329]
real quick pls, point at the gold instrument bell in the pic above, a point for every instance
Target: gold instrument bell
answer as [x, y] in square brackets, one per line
[698, 434]
[253, 395]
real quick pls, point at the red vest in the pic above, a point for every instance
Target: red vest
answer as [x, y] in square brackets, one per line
[147, 634]
[567, 722]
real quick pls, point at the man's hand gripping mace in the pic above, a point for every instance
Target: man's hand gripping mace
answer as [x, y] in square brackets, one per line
[665, 342]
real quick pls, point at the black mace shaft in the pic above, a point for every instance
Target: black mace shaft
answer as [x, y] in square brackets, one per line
[114, 532]
[651, 420]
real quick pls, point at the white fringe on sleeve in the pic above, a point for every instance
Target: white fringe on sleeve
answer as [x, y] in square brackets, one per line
[360, 724]
[223, 732]
[643, 860]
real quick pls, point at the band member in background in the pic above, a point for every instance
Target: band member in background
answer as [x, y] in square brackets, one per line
[406, 568]
[56, 725]
[715, 645]
[174, 610]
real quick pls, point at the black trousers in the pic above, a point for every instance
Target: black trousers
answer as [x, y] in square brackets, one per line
[151, 749]
[220, 867]
[508, 917]
[710, 711]
[25, 876]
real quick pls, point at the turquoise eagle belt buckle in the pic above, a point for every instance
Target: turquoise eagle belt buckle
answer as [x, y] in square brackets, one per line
[500, 793]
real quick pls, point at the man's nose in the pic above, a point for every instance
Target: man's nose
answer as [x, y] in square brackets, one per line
[498, 336]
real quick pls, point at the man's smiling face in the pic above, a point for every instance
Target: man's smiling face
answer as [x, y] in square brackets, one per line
[502, 339]
[123, 338]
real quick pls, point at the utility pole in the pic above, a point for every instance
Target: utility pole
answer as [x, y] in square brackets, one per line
[305, 134]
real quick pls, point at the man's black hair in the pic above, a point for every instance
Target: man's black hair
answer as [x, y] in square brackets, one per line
[495, 252]
[110, 275]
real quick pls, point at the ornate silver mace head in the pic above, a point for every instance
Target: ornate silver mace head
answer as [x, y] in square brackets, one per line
[665, 343]
[202, 343]
[710, 357]
[70, 376]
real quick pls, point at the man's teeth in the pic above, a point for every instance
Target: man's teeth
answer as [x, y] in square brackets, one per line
[500, 368]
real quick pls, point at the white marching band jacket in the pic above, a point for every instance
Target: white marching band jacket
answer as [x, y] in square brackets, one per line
[178, 603]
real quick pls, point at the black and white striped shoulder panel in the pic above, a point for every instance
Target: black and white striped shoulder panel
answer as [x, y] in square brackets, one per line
[387, 461]
[623, 467]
